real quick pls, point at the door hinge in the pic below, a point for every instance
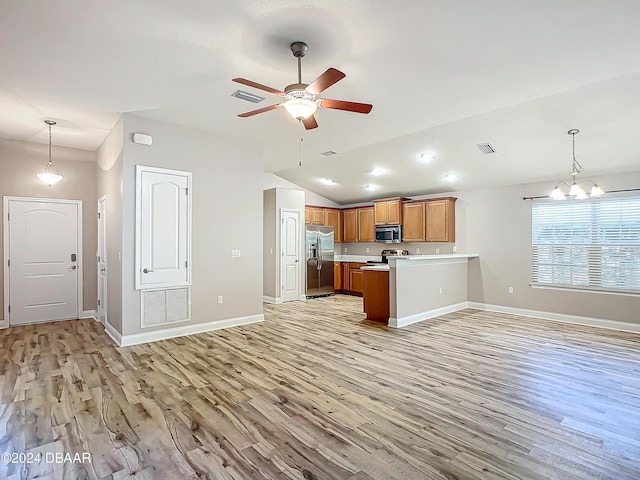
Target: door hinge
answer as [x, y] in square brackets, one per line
[8, 215]
[186, 191]
[98, 302]
[98, 214]
[9, 308]
[8, 263]
[98, 258]
[186, 265]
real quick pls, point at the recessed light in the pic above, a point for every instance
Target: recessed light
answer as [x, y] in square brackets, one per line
[327, 181]
[426, 157]
[371, 187]
[450, 177]
[378, 171]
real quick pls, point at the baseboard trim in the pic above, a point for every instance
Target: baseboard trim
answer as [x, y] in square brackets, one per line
[113, 333]
[156, 335]
[90, 314]
[560, 317]
[273, 300]
[418, 317]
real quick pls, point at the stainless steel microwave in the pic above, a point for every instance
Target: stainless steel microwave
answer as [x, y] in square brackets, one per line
[389, 233]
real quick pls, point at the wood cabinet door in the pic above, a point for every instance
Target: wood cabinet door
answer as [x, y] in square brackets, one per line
[318, 216]
[350, 223]
[333, 218]
[380, 212]
[413, 222]
[440, 220]
[356, 280]
[307, 215]
[345, 275]
[366, 225]
[337, 276]
[393, 212]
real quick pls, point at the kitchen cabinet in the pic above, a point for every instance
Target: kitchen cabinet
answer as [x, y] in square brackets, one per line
[366, 225]
[413, 222]
[388, 211]
[376, 295]
[333, 218]
[318, 216]
[350, 225]
[440, 220]
[337, 276]
[307, 215]
[356, 278]
[345, 275]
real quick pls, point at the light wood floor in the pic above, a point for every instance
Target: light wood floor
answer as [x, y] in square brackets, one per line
[315, 393]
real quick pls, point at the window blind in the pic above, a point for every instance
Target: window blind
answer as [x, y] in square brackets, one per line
[587, 244]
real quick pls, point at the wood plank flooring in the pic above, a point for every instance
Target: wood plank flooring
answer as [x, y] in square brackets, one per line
[315, 392]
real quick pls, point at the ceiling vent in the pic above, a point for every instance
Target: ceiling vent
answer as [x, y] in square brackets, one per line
[486, 148]
[328, 153]
[249, 97]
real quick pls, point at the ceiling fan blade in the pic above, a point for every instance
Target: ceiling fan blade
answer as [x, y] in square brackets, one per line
[348, 106]
[260, 110]
[325, 80]
[310, 122]
[259, 86]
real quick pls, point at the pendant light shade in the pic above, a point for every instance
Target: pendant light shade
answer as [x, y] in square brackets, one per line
[49, 175]
[575, 188]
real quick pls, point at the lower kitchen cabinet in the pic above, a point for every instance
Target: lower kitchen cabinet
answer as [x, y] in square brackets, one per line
[337, 276]
[351, 277]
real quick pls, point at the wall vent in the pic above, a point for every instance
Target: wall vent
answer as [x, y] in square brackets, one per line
[249, 97]
[486, 148]
[328, 153]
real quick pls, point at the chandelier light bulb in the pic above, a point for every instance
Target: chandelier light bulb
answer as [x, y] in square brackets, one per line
[596, 191]
[48, 176]
[557, 194]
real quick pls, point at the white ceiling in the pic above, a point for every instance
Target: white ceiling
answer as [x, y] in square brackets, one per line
[442, 76]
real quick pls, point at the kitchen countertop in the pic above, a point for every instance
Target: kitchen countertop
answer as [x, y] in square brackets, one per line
[382, 267]
[357, 258]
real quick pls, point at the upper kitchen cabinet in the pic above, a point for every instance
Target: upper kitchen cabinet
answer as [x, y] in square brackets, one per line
[333, 218]
[350, 225]
[366, 225]
[318, 216]
[388, 211]
[413, 220]
[440, 219]
[307, 215]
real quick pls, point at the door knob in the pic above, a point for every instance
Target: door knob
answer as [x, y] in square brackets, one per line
[73, 267]
[147, 270]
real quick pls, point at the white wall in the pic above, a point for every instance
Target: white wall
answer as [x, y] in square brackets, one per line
[227, 214]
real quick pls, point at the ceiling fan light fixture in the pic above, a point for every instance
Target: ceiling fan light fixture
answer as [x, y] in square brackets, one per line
[300, 108]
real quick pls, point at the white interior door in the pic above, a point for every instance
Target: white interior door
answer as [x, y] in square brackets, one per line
[163, 227]
[102, 260]
[290, 255]
[43, 261]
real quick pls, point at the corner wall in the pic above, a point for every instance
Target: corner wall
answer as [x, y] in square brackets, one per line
[227, 214]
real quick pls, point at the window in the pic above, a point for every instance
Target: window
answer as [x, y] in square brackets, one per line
[587, 244]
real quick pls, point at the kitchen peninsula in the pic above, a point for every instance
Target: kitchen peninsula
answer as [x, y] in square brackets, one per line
[419, 287]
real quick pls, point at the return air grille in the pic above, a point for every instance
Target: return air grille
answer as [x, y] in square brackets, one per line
[249, 97]
[486, 148]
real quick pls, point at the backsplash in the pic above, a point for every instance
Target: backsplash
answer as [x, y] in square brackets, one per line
[413, 248]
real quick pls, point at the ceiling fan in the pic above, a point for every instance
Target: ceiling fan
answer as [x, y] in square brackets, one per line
[301, 100]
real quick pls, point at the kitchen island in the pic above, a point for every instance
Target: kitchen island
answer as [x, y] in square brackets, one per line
[420, 287]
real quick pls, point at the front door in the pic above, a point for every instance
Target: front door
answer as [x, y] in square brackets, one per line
[43, 260]
[102, 260]
[290, 255]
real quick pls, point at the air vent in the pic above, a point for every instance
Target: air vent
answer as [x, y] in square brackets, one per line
[249, 97]
[328, 153]
[486, 148]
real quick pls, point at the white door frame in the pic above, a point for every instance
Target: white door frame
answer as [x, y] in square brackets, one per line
[104, 260]
[5, 221]
[301, 241]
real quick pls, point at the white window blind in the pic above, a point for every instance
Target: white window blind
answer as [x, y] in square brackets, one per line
[587, 244]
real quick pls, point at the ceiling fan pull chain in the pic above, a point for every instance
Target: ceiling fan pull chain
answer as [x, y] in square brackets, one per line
[300, 158]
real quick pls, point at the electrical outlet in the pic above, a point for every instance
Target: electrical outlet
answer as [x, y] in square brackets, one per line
[219, 298]
[417, 251]
[440, 289]
[235, 253]
[271, 251]
[345, 249]
[510, 289]
[437, 251]
[454, 249]
[366, 250]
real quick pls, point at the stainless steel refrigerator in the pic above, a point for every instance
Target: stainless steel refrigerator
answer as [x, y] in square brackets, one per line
[319, 256]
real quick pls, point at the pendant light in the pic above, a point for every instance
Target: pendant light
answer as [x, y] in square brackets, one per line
[50, 175]
[575, 188]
